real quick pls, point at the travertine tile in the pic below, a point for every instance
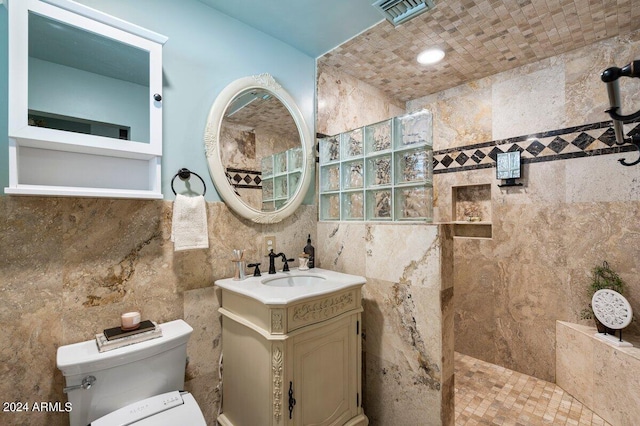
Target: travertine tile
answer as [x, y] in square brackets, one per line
[70, 267]
[589, 368]
[489, 394]
[596, 172]
[516, 112]
[575, 373]
[291, 235]
[616, 374]
[342, 247]
[392, 396]
[204, 349]
[480, 39]
[346, 103]
[572, 218]
[464, 114]
[390, 261]
[404, 317]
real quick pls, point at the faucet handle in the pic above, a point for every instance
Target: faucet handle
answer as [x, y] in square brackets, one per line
[256, 272]
[285, 268]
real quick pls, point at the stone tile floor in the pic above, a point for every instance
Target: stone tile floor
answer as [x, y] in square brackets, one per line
[487, 394]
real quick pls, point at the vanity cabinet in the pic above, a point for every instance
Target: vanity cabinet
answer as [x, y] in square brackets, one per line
[292, 364]
[85, 103]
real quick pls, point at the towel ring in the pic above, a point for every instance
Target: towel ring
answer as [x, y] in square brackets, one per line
[185, 174]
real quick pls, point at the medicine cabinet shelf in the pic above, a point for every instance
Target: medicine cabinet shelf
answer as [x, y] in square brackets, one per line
[85, 120]
[71, 191]
[471, 211]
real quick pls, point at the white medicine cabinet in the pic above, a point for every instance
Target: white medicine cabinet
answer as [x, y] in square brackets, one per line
[85, 103]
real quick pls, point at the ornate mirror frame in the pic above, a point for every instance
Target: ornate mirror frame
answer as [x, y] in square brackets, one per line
[214, 158]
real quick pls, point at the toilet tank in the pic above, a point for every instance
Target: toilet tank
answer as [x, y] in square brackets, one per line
[123, 375]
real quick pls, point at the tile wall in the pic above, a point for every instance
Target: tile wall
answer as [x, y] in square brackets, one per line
[577, 207]
[407, 319]
[69, 267]
[600, 375]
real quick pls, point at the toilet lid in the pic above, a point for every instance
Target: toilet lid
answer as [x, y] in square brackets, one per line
[168, 409]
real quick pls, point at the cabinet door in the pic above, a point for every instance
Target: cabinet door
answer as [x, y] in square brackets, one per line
[85, 96]
[324, 374]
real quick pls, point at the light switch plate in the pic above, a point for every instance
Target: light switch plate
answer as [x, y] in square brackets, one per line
[269, 242]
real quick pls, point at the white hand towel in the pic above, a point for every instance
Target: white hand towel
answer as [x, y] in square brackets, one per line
[189, 223]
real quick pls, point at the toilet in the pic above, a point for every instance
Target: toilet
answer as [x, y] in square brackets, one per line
[140, 384]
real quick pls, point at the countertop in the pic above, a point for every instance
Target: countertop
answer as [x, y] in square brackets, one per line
[254, 288]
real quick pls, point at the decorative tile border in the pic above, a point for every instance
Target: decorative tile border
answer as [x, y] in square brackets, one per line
[242, 178]
[572, 142]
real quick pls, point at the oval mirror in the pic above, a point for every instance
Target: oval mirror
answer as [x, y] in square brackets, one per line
[259, 149]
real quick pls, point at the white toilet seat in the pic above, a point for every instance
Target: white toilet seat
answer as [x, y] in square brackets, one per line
[167, 409]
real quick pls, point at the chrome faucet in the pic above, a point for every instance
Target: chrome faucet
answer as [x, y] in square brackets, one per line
[272, 266]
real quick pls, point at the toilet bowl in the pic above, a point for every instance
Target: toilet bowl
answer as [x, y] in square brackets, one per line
[137, 384]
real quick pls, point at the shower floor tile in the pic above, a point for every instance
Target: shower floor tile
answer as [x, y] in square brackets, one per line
[487, 394]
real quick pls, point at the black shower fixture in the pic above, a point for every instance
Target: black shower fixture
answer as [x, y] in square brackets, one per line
[610, 76]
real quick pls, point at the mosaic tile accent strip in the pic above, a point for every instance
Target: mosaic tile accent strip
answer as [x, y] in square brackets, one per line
[572, 142]
[242, 178]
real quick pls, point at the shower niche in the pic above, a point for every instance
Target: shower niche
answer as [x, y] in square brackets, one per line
[471, 211]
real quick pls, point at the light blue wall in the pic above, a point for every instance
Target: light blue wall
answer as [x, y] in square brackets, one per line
[206, 51]
[4, 101]
[71, 92]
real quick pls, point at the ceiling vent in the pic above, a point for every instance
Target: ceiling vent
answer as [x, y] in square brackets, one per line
[399, 11]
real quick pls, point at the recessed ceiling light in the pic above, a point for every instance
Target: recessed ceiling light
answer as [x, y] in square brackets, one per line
[430, 56]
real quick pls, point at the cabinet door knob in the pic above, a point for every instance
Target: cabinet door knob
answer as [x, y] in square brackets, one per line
[157, 97]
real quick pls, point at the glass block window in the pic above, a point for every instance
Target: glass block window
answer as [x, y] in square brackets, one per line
[281, 174]
[379, 172]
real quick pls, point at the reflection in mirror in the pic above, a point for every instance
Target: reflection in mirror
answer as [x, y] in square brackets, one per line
[261, 150]
[83, 82]
[281, 174]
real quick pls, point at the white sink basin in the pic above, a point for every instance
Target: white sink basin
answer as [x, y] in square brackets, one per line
[283, 288]
[294, 281]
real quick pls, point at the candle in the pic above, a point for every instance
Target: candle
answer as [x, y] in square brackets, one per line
[130, 320]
